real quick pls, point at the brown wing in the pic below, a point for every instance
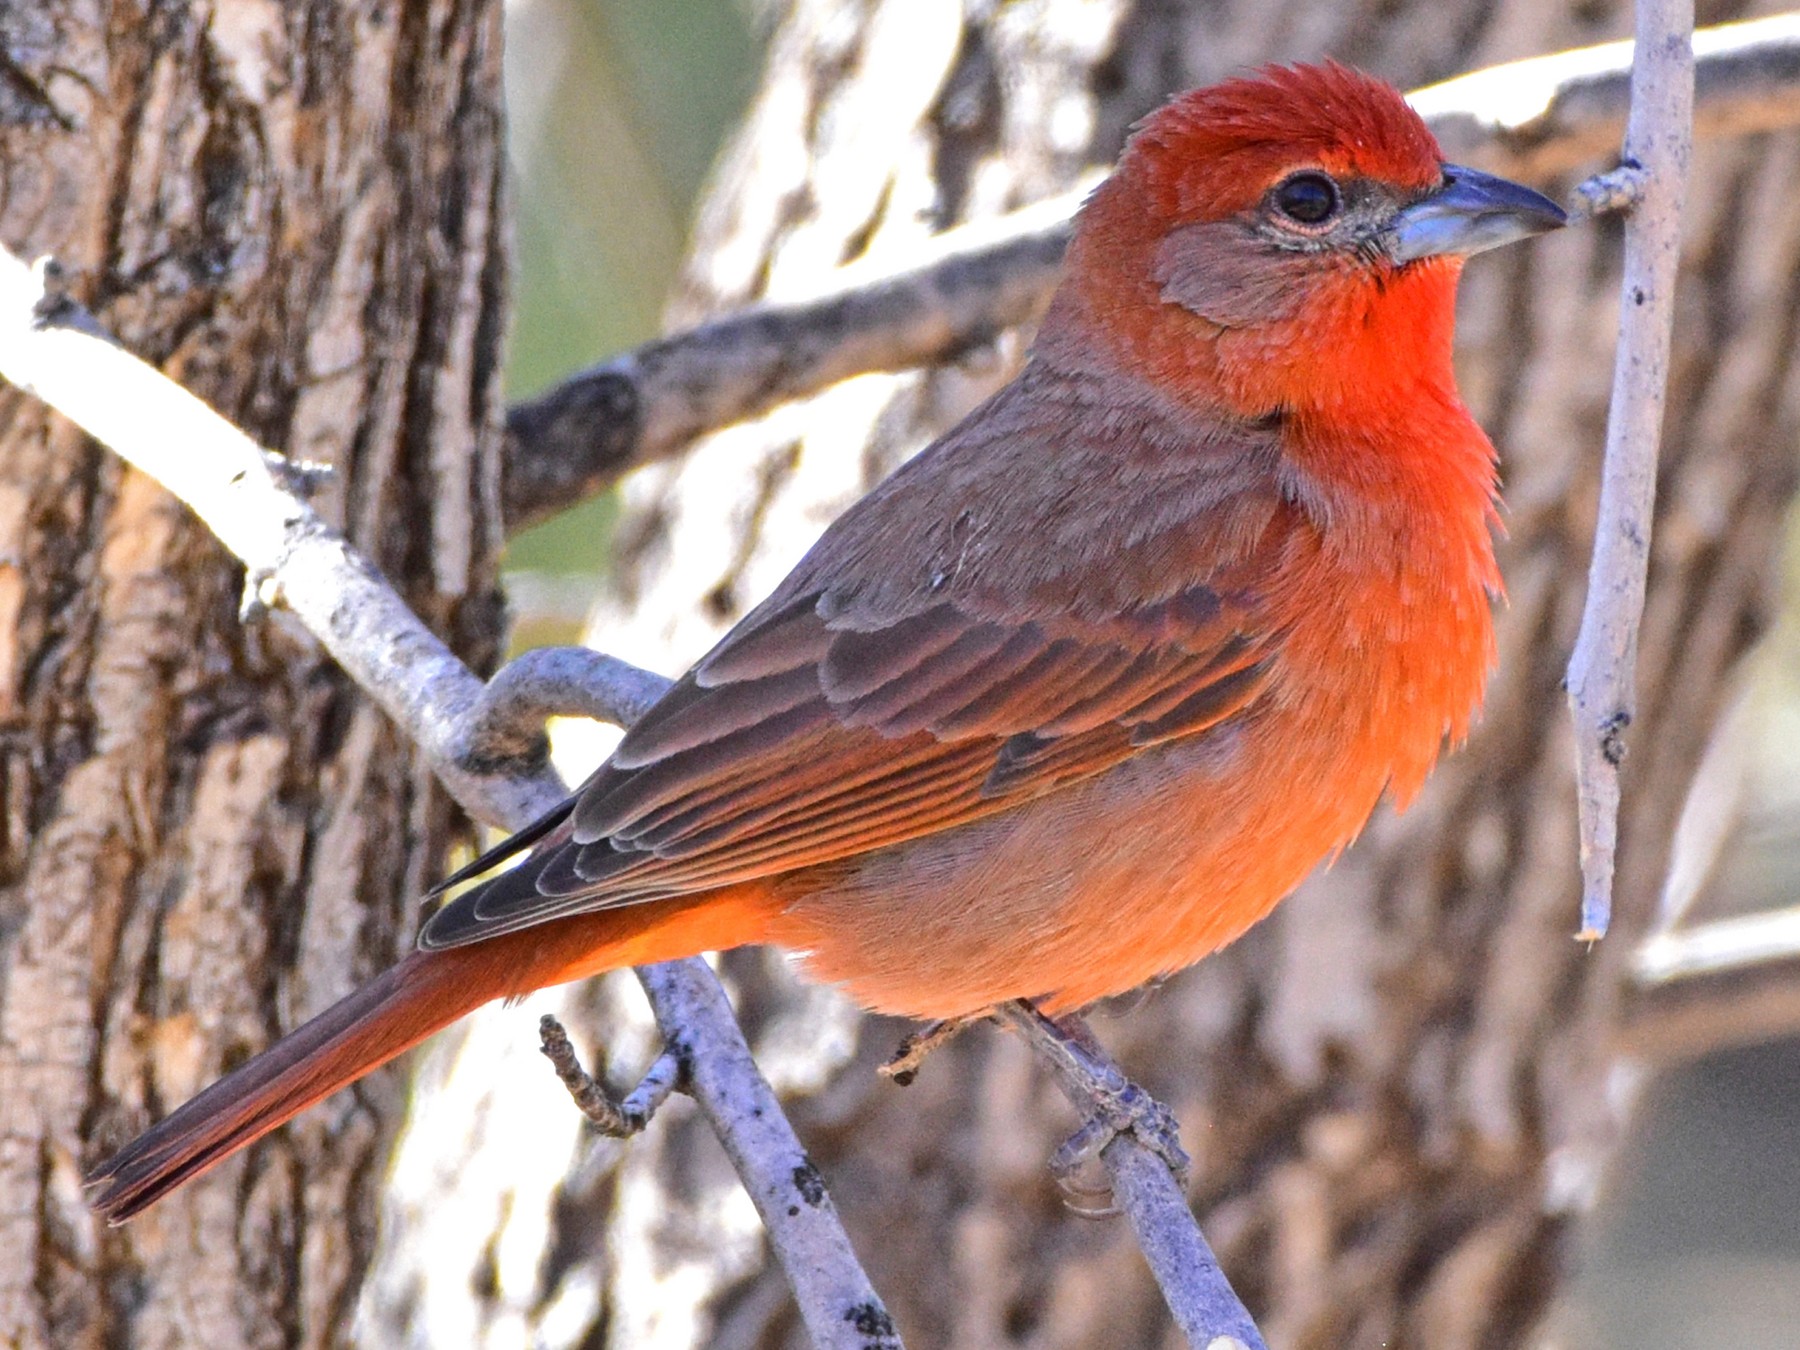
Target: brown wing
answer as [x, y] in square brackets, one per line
[957, 644]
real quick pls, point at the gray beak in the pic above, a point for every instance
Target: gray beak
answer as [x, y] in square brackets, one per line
[1472, 212]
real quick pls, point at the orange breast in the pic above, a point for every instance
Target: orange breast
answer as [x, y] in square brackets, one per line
[1096, 888]
[1099, 886]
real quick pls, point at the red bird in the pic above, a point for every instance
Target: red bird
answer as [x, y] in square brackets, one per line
[1076, 695]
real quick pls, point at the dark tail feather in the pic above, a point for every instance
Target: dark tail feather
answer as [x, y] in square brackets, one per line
[392, 1013]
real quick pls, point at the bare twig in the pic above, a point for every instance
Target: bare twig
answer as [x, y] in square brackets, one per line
[1136, 1153]
[621, 1118]
[1702, 987]
[57, 351]
[1602, 670]
[506, 727]
[839, 1306]
[1529, 118]
[1206, 1307]
[577, 438]
[1606, 193]
[914, 1048]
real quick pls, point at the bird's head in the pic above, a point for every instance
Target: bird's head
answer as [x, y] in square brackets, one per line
[1287, 240]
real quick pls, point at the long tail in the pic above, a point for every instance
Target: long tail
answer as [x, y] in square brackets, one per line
[392, 1013]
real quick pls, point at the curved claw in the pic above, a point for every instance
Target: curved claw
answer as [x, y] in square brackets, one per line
[1114, 1104]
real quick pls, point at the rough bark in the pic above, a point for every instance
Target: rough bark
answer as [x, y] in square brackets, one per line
[1396, 1090]
[207, 833]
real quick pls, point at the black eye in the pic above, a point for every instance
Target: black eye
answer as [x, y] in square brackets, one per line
[1309, 198]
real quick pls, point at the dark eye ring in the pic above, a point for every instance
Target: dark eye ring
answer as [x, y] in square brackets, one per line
[1308, 198]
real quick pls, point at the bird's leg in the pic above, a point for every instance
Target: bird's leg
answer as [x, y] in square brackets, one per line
[619, 1119]
[1112, 1103]
[915, 1045]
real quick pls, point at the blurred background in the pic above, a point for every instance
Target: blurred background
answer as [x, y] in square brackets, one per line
[648, 90]
[1690, 1233]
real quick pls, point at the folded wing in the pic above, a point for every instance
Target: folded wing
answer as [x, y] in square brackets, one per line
[851, 711]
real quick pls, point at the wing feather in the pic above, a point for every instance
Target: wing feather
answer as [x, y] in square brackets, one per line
[866, 704]
[690, 716]
[892, 708]
[599, 813]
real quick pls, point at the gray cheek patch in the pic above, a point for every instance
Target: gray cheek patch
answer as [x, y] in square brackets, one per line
[1230, 275]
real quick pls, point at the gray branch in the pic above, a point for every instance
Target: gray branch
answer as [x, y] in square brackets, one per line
[244, 494]
[505, 728]
[1532, 118]
[1552, 114]
[787, 1190]
[579, 437]
[1145, 1188]
[1602, 681]
[1696, 989]
[617, 1118]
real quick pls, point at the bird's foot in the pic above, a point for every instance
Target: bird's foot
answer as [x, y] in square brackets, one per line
[620, 1118]
[1114, 1105]
[1128, 1110]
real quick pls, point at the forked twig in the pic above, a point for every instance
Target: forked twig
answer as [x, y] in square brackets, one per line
[914, 1048]
[245, 494]
[615, 1117]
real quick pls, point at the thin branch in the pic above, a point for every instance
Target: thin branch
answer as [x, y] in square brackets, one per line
[56, 350]
[1530, 118]
[915, 1047]
[787, 1189]
[1602, 680]
[1551, 114]
[577, 439]
[506, 727]
[1606, 193]
[1206, 1307]
[617, 1118]
[1699, 951]
[1135, 1137]
[244, 494]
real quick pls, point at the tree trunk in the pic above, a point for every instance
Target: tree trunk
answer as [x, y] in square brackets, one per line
[209, 835]
[1396, 1090]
